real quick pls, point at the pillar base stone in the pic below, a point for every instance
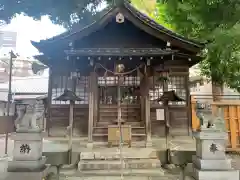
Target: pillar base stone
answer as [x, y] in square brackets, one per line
[90, 145]
[148, 143]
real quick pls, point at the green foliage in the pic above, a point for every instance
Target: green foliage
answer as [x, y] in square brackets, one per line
[150, 8]
[214, 21]
[63, 12]
[66, 12]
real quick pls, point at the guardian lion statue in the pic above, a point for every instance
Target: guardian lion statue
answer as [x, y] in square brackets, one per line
[29, 115]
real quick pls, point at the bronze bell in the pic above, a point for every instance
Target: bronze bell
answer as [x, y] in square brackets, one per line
[120, 68]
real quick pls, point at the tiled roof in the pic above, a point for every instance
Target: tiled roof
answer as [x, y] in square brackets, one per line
[32, 84]
[112, 11]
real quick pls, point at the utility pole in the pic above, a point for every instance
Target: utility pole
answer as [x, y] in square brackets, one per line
[12, 55]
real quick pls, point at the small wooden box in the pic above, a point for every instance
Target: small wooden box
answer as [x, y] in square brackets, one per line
[114, 135]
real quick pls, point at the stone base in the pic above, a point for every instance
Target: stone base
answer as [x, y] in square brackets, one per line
[204, 164]
[38, 175]
[27, 130]
[215, 175]
[133, 159]
[114, 154]
[116, 164]
[26, 166]
[90, 146]
[149, 144]
[31, 139]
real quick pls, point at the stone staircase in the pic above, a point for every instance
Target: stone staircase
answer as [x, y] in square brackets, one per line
[102, 163]
[108, 114]
[136, 162]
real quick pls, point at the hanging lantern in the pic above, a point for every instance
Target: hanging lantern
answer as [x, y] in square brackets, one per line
[164, 73]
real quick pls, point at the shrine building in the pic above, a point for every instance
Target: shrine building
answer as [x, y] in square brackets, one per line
[119, 66]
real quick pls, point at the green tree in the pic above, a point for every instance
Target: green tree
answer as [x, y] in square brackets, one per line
[64, 12]
[68, 12]
[150, 8]
[218, 23]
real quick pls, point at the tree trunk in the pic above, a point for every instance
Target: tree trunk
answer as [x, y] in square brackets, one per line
[217, 91]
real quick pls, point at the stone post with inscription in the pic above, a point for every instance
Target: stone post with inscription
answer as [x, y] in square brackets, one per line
[210, 161]
[28, 162]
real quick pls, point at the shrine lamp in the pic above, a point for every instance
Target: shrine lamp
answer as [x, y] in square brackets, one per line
[72, 97]
[165, 98]
[164, 73]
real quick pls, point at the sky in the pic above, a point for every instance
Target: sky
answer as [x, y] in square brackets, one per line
[28, 29]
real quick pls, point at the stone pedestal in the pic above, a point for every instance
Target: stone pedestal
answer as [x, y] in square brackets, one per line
[149, 142]
[27, 162]
[90, 145]
[210, 161]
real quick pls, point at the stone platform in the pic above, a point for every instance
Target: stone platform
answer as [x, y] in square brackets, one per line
[110, 159]
[107, 162]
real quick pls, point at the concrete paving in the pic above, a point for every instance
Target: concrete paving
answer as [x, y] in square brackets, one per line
[60, 144]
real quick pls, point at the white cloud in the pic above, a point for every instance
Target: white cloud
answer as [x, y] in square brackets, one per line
[28, 29]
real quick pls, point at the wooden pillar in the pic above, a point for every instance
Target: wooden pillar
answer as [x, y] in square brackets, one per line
[142, 98]
[95, 99]
[145, 93]
[233, 126]
[70, 142]
[91, 109]
[188, 103]
[142, 101]
[148, 121]
[49, 101]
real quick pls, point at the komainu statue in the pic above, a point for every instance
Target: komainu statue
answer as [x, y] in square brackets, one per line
[206, 119]
[29, 115]
[21, 111]
[38, 114]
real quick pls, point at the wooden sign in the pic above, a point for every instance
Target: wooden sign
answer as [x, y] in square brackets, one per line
[160, 114]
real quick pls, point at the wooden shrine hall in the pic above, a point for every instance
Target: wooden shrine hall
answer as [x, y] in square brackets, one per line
[119, 67]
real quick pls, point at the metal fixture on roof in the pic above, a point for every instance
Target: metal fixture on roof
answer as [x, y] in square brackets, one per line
[120, 18]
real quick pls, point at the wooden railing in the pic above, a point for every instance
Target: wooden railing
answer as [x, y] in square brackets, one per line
[232, 117]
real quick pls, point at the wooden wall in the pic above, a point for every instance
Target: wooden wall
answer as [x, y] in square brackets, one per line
[178, 112]
[60, 120]
[179, 125]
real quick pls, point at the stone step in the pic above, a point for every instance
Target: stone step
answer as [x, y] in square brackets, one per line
[104, 130]
[131, 115]
[132, 174]
[118, 177]
[117, 164]
[100, 138]
[104, 137]
[128, 120]
[114, 154]
[133, 135]
[125, 172]
[107, 122]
